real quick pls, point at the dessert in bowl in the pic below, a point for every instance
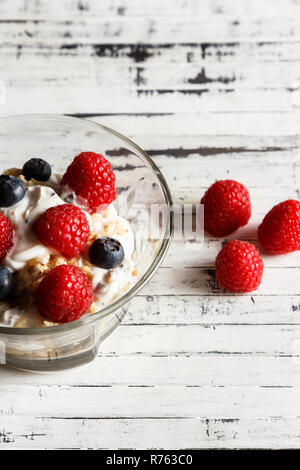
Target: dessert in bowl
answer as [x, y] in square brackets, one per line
[46, 237]
[76, 246]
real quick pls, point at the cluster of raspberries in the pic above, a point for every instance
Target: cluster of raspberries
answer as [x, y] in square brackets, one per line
[65, 293]
[239, 267]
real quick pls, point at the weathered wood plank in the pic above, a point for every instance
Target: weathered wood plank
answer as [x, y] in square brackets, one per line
[159, 52]
[213, 370]
[149, 29]
[185, 340]
[155, 402]
[45, 433]
[111, 99]
[140, 77]
[135, 8]
[140, 127]
[207, 145]
[207, 310]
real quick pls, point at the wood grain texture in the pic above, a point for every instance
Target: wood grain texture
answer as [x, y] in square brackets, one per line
[158, 433]
[211, 90]
[222, 370]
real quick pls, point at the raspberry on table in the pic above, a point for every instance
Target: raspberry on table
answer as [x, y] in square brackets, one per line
[226, 207]
[6, 236]
[64, 294]
[279, 232]
[91, 178]
[64, 228]
[239, 267]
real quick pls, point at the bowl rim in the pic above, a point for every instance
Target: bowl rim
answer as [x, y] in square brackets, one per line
[111, 308]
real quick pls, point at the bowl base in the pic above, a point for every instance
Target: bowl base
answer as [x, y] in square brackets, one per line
[52, 365]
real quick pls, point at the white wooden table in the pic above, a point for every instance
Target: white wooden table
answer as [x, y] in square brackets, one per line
[211, 89]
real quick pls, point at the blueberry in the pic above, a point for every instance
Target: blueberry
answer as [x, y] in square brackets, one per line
[106, 253]
[12, 190]
[37, 168]
[6, 282]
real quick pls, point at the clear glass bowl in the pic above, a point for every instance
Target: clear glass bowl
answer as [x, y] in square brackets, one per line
[140, 184]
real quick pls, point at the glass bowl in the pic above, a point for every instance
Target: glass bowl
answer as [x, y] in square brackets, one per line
[140, 187]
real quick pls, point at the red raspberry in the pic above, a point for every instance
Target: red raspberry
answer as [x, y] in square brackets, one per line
[6, 236]
[239, 267]
[92, 179]
[64, 294]
[279, 232]
[226, 207]
[64, 228]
